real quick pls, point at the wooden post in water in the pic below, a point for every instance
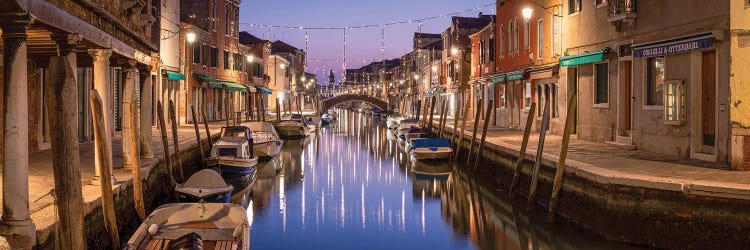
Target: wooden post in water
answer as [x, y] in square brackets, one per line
[432, 114]
[227, 112]
[177, 154]
[474, 132]
[197, 132]
[538, 158]
[418, 108]
[443, 118]
[165, 142]
[557, 186]
[425, 110]
[487, 116]
[463, 129]
[140, 207]
[208, 131]
[100, 134]
[60, 96]
[522, 154]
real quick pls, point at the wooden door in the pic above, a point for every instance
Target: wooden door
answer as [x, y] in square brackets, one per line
[708, 99]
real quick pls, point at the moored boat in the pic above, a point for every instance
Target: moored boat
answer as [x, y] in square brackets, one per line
[193, 226]
[326, 119]
[232, 156]
[267, 142]
[405, 125]
[205, 185]
[432, 148]
[294, 127]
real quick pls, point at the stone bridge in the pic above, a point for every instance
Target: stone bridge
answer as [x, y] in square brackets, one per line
[333, 101]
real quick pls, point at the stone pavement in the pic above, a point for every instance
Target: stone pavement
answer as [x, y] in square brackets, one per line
[41, 178]
[611, 164]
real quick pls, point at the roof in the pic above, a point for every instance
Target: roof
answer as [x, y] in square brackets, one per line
[436, 45]
[426, 35]
[282, 47]
[472, 22]
[247, 38]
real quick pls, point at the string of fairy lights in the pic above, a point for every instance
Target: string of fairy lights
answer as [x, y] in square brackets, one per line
[343, 29]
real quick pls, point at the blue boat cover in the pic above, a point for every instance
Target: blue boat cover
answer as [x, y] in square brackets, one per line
[430, 143]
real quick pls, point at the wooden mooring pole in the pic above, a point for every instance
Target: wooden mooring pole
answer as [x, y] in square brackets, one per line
[463, 129]
[165, 142]
[418, 109]
[140, 207]
[538, 158]
[522, 154]
[208, 131]
[197, 132]
[278, 110]
[474, 132]
[175, 138]
[100, 134]
[487, 116]
[557, 186]
[426, 109]
[432, 114]
[60, 96]
[443, 117]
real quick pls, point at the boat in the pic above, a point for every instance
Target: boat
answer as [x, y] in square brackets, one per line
[393, 121]
[294, 127]
[193, 226]
[232, 155]
[313, 120]
[414, 133]
[205, 185]
[405, 125]
[430, 148]
[326, 119]
[431, 170]
[266, 141]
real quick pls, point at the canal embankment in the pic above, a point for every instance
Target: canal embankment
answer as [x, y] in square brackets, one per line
[156, 182]
[627, 195]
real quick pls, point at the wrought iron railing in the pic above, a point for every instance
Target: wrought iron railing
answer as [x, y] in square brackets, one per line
[621, 7]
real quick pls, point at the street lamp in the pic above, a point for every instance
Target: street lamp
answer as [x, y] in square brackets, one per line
[526, 13]
[282, 66]
[190, 37]
[250, 58]
[454, 51]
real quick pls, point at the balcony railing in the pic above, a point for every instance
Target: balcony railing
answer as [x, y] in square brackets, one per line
[621, 9]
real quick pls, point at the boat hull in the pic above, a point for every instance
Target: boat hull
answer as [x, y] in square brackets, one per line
[267, 150]
[236, 172]
[438, 153]
[294, 131]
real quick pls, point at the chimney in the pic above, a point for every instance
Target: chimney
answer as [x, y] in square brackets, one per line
[480, 14]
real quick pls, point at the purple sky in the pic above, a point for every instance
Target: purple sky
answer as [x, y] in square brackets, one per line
[362, 44]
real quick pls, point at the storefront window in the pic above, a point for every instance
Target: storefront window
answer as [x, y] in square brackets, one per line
[527, 95]
[655, 81]
[674, 106]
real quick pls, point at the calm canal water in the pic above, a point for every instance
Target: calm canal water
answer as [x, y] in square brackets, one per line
[351, 186]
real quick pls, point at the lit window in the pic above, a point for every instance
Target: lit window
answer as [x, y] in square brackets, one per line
[674, 103]
[655, 81]
[540, 39]
[527, 95]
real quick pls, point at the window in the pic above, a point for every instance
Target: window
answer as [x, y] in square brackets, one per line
[527, 95]
[237, 62]
[502, 41]
[196, 52]
[226, 20]
[237, 23]
[205, 55]
[540, 39]
[555, 36]
[601, 84]
[526, 35]
[214, 57]
[600, 2]
[510, 37]
[226, 60]
[541, 100]
[515, 35]
[491, 48]
[674, 105]
[574, 6]
[501, 94]
[213, 14]
[655, 81]
[481, 52]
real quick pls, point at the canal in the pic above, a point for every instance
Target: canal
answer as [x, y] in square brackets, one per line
[352, 186]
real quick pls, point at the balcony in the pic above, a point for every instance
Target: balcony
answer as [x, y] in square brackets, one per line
[620, 10]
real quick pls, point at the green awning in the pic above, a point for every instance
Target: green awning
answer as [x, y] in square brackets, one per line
[175, 75]
[583, 58]
[205, 78]
[233, 86]
[516, 75]
[497, 79]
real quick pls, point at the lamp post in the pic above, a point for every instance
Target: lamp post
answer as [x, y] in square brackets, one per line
[190, 37]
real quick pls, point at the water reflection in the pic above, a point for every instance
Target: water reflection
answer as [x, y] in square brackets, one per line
[347, 186]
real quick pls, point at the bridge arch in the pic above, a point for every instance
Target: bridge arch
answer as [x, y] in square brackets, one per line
[333, 101]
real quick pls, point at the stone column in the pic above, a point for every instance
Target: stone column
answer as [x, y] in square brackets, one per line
[146, 111]
[102, 82]
[16, 225]
[128, 96]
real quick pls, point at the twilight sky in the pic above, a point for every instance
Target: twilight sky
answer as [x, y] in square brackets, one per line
[363, 45]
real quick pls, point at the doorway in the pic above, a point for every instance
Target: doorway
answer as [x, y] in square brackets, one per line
[517, 94]
[625, 113]
[708, 101]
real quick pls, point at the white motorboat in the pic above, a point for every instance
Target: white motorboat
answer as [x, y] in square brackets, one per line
[294, 127]
[233, 156]
[393, 121]
[267, 142]
[405, 125]
[432, 148]
[193, 226]
[313, 120]
[205, 185]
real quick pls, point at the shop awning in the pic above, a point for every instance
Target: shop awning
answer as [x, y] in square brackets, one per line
[583, 58]
[498, 79]
[516, 75]
[205, 78]
[172, 75]
[231, 86]
[264, 89]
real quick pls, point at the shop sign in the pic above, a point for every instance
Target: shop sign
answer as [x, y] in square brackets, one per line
[674, 46]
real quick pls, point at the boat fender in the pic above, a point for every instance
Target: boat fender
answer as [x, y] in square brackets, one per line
[152, 229]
